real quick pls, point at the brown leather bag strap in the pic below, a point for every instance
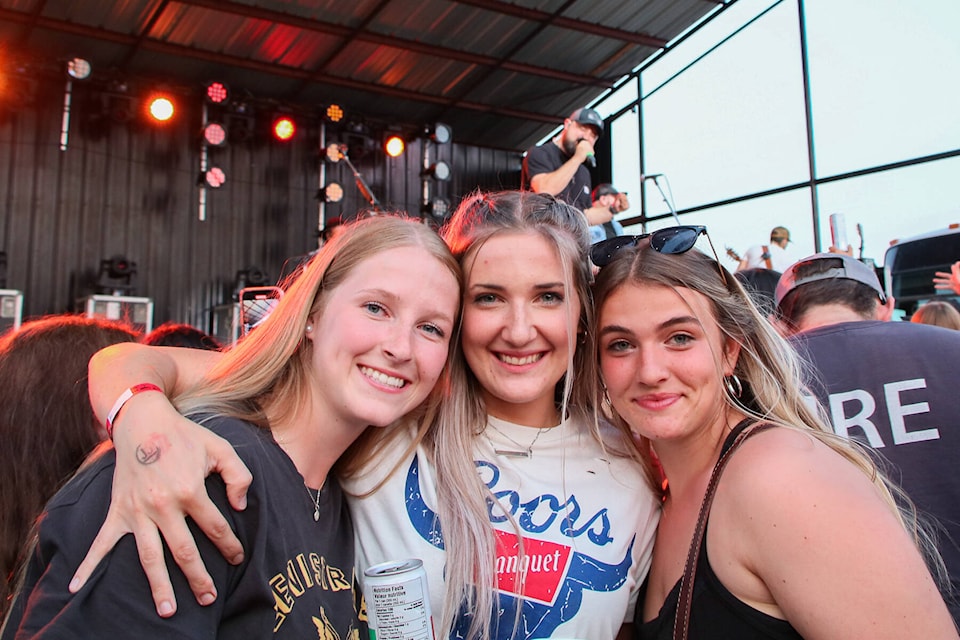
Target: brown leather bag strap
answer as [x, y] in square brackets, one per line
[681, 624]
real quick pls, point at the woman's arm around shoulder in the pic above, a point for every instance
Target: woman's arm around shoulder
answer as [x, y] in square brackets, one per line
[803, 534]
[116, 599]
[162, 460]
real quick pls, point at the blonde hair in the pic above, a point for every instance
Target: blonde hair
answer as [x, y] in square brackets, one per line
[772, 374]
[268, 367]
[939, 314]
[462, 496]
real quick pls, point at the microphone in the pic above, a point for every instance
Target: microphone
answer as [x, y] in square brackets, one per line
[649, 176]
[590, 160]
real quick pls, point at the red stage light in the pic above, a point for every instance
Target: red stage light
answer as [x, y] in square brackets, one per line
[217, 92]
[394, 146]
[214, 134]
[215, 177]
[284, 128]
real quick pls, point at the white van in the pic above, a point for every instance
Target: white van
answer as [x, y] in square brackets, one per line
[909, 266]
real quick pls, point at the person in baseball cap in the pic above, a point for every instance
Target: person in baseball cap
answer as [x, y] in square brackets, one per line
[561, 166]
[780, 234]
[606, 195]
[588, 118]
[829, 288]
[828, 266]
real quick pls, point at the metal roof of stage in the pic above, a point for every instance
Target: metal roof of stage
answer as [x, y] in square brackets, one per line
[501, 74]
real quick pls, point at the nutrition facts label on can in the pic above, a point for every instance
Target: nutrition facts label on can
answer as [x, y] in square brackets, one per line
[400, 611]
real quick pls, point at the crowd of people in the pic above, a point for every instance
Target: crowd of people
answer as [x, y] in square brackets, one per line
[544, 410]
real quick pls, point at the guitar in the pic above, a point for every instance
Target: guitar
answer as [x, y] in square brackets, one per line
[733, 255]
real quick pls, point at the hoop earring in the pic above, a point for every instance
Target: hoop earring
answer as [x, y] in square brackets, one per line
[734, 386]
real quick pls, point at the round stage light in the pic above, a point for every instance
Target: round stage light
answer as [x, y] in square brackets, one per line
[394, 146]
[217, 92]
[284, 128]
[440, 171]
[161, 108]
[78, 68]
[333, 192]
[335, 113]
[214, 177]
[214, 134]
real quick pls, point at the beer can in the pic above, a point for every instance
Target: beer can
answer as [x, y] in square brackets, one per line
[398, 601]
[838, 231]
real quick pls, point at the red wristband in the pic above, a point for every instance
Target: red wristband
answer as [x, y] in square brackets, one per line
[122, 400]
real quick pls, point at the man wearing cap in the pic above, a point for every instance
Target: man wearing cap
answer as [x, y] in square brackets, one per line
[606, 195]
[891, 385]
[557, 166]
[769, 256]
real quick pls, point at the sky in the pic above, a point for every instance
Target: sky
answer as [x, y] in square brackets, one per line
[884, 89]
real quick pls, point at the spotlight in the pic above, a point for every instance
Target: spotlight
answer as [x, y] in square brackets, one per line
[335, 113]
[116, 276]
[333, 192]
[160, 108]
[217, 92]
[440, 133]
[78, 69]
[394, 145]
[439, 171]
[284, 128]
[334, 152]
[120, 267]
[214, 134]
[439, 208]
[249, 277]
[214, 177]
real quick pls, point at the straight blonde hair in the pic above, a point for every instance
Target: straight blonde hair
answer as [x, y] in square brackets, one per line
[268, 367]
[462, 496]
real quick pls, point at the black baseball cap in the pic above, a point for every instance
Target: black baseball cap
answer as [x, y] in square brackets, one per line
[605, 189]
[588, 117]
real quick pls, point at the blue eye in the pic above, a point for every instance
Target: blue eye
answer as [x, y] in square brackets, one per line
[434, 329]
[681, 339]
[375, 308]
[618, 346]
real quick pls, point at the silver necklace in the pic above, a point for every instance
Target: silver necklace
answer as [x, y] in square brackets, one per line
[523, 452]
[315, 501]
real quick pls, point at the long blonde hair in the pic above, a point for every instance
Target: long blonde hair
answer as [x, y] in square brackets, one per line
[773, 376]
[462, 496]
[268, 367]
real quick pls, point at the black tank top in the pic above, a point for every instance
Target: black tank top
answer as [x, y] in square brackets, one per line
[716, 614]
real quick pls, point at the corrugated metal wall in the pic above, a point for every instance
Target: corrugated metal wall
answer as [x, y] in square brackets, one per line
[131, 189]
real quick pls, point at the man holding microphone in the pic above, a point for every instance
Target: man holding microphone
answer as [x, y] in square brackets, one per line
[557, 166]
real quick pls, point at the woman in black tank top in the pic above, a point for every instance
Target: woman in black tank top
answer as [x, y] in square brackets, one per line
[800, 536]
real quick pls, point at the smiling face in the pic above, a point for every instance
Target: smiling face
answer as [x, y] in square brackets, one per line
[381, 339]
[517, 318]
[663, 360]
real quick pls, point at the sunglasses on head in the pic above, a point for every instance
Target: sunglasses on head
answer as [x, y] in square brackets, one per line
[672, 240]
